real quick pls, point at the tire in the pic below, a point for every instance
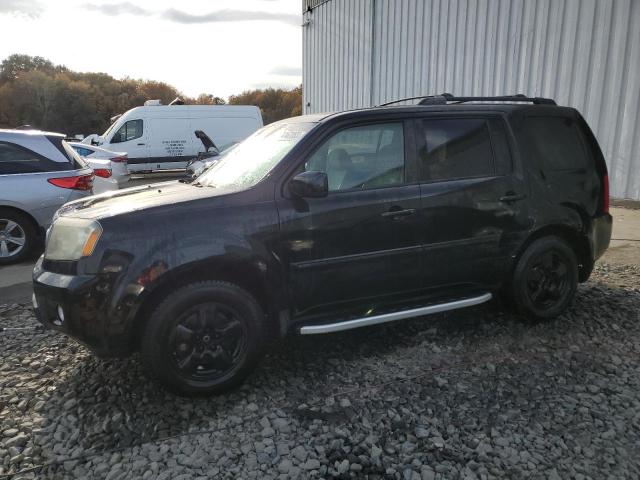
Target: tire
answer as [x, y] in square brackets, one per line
[545, 279]
[15, 227]
[204, 338]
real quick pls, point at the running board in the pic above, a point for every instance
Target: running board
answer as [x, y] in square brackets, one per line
[393, 316]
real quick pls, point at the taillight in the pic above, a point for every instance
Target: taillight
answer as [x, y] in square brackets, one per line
[605, 194]
[80, 182]
[102, 172]
[119, 159]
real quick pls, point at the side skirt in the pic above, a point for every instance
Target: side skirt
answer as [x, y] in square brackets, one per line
[393, 316]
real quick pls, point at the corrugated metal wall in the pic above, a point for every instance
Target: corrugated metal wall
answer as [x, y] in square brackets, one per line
[583, 53]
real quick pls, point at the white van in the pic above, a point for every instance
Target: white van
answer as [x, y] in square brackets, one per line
[161, 137]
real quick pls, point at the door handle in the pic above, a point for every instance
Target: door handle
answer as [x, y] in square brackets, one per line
[395, 214]
[140, 144]
[512, 197]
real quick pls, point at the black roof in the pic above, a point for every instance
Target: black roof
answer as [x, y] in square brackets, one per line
[507, 108]
[445, 103]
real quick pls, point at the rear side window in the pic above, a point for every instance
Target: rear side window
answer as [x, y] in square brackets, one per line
[556, 142]
[129, 131]
[85, 152]
[455, 149]
[16, 159]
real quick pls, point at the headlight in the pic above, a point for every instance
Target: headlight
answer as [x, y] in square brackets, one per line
[72, 238]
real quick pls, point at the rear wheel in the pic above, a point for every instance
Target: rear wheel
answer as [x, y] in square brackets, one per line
[545, 279]
[17, 236]
[204, 338]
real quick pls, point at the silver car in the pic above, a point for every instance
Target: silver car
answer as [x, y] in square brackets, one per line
[109, 168]
[39, 172]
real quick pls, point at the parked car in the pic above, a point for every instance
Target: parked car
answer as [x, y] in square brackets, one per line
[39, 172]
[110, 168]
[160, 137]
[323, 223]
[208, 157]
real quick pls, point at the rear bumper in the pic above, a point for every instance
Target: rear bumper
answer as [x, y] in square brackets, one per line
[600, 235]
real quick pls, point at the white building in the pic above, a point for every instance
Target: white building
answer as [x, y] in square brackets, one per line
[582, 53]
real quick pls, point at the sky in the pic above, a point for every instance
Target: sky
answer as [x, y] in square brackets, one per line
[221, 47]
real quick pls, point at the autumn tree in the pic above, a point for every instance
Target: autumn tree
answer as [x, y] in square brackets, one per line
[14, 65]
[36, 92]
[275, 104]
[208, 99]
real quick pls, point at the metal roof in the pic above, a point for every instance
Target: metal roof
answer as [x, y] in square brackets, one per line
[585, 54]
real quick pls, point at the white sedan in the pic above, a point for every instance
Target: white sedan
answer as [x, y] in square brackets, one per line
[110, 168]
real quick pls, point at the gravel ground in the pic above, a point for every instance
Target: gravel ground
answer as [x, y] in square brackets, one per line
[474, 394]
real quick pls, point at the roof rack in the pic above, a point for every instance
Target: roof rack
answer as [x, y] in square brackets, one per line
[445, 98]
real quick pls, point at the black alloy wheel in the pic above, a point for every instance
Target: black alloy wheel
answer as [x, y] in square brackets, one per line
[204, 338]
[208, 341]
[545, 279]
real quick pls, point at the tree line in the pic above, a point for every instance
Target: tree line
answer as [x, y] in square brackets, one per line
[34, 91]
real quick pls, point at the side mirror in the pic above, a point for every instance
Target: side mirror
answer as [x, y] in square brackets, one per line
[309, 184]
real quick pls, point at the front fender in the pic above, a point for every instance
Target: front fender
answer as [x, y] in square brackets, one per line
[191, 251]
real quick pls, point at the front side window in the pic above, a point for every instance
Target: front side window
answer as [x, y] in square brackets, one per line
[455, 149]
[128, 131]
[370, 156]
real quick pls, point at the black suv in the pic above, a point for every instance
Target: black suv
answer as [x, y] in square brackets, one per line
[323, 223]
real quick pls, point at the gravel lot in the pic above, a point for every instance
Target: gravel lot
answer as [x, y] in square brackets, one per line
[473, 394]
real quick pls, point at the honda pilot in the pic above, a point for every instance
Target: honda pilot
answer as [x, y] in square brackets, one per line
[323, 223]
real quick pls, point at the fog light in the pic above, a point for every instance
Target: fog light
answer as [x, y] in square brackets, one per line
[34, 300]
[60, 320]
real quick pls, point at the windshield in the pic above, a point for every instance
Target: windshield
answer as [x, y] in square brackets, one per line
[255, 157]
[104, 135]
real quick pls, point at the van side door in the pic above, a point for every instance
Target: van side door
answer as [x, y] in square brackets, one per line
[474, 201]
[170, 143]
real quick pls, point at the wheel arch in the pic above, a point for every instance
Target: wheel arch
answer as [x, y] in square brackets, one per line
[245, 274]
[578, 241]
[34, 223]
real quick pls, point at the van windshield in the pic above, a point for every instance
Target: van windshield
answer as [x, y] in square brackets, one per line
[251, 160]
[104, 135]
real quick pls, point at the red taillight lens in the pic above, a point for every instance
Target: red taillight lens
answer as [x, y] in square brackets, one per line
[80, 182]
[102, 172]
[119, 159]
[605, 194]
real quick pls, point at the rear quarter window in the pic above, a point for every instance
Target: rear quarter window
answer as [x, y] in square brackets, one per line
[75, 161]
[556, 143]
[16, 159]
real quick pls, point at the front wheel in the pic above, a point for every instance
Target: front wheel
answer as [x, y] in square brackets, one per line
[204, 339]
[545, 279]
